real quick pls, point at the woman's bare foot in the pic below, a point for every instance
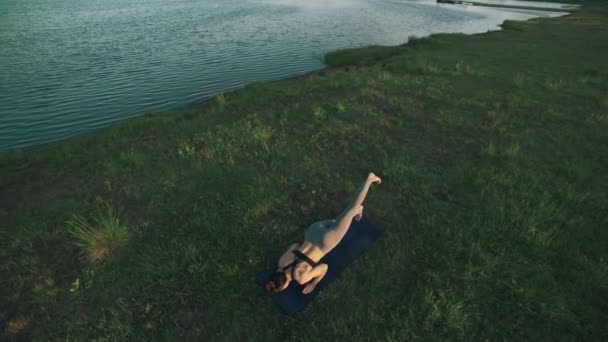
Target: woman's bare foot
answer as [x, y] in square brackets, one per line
[372, 178]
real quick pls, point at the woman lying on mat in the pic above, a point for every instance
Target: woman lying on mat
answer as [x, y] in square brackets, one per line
[320, 238]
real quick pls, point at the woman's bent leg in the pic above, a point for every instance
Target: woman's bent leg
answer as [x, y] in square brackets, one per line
[334, 235]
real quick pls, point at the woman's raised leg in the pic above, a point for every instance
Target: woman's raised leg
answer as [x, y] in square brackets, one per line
[355, 208]
[360, 195]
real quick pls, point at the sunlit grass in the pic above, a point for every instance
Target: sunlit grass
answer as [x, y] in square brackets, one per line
[318, 113]
[430, 68]
[513, 150]
[601, 119]
[554, 84]
[519, 79]
[491, 149]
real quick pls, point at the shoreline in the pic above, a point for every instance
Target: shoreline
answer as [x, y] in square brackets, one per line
[507, 6]
[204, 104]
[329, 69]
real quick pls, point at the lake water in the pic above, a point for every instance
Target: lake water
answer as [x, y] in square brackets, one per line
[71, 66]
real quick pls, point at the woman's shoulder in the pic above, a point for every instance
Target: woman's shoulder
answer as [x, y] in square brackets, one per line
[288, 256]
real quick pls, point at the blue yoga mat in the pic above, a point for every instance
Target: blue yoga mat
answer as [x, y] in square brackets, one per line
[358, 238]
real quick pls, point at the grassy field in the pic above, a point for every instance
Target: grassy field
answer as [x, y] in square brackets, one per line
[493, 150]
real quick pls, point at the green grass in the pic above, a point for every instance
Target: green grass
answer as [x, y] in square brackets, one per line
[494, 157]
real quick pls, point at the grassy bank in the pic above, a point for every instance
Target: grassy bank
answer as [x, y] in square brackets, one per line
[494, 155]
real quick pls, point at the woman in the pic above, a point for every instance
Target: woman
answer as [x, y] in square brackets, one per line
[320, 238]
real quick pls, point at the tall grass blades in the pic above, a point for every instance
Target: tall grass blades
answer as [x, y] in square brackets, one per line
[318, 113]
[221, 101]
[101, 239]
[340, 107]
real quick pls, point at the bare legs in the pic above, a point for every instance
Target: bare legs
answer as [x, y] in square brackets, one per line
[353, 210]
[357, 201]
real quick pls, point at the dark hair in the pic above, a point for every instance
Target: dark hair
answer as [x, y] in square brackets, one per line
[275, 282]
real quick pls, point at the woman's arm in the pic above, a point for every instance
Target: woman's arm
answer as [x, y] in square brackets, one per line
[313, 278]
[287, 256]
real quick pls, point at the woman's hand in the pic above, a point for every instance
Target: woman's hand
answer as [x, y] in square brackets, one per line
[309, 287]
[318, 272]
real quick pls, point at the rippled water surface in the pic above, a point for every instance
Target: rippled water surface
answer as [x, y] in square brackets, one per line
[70, 66]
